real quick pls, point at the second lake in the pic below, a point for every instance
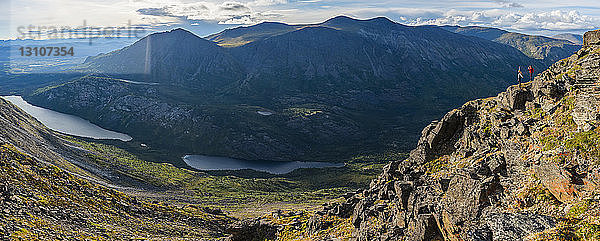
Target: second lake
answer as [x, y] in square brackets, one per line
[211, 163]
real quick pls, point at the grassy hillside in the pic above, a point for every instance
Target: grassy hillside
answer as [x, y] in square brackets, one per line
[41, 202]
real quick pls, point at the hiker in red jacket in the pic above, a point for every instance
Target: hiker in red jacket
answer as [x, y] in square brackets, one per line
[530, 73]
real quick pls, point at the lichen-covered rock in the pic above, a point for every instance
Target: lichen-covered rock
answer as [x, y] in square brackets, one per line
[515, 226]
[591, 38]
[515, 98]
[557, 180]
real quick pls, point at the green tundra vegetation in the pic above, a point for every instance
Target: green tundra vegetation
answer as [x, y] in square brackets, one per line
[237, 190]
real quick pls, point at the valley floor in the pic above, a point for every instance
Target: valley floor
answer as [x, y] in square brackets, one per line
[241, 194]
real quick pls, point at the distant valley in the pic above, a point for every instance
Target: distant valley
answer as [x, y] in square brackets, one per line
[336, 89]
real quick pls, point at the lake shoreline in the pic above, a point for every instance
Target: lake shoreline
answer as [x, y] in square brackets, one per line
[65, 123]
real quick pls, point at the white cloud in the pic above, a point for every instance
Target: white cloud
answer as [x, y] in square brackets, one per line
[508, 4]
[260, 3]
[224, 13]
[240, 20]
[530, 21]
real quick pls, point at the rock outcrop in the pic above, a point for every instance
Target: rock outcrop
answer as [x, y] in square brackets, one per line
[510, 167]
[591, 38]
[256, 229]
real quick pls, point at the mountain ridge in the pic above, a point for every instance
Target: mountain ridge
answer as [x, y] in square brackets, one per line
[321, 83]
[540, 47]
[573, 38]
[200, 62]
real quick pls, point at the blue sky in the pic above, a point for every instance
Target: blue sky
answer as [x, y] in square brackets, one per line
[546, 17]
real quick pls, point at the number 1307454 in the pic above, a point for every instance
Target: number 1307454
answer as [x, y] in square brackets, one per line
[46, 51]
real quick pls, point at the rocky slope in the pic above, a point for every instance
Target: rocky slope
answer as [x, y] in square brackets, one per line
[43, 196]
[334, 90]
[519, 166]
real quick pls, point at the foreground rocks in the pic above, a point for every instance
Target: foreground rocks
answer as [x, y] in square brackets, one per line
[250, 230]
[512, 167]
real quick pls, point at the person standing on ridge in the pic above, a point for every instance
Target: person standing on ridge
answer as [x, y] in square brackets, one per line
[530, 73]
[519, 76]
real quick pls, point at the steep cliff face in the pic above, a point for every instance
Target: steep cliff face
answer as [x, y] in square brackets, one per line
[521, 165]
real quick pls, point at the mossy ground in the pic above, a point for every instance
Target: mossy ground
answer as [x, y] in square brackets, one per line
[296, 227]
[570, 146]
[582, 222]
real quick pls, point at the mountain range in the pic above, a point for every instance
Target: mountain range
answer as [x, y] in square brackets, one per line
[331, 90]
[573, 38]
[547, 49]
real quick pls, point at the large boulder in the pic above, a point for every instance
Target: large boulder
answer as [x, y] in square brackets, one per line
[515, 226]
[515, 98]
[591, 38]
[557, 180]
[250, 230]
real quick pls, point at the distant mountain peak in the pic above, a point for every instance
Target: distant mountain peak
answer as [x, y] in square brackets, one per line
[177, 32]
[381, 20]
[179, 29]
[346, 20]
[239, 36]
[352, 25]
[272, 24]
[174, 37]
[341, 21]
[341, 18]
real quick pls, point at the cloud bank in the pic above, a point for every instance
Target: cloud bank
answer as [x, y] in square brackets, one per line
[556, 20]
[230, 13]
[506, 14]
